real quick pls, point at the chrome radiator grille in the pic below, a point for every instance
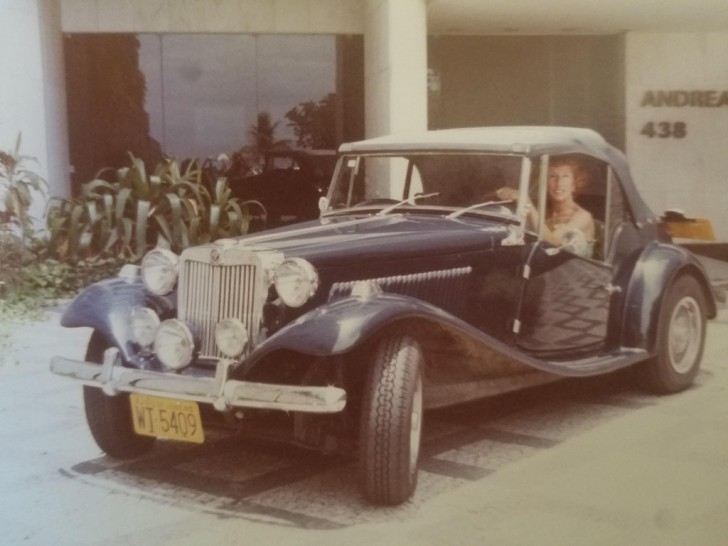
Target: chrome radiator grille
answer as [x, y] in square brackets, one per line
[214, 286]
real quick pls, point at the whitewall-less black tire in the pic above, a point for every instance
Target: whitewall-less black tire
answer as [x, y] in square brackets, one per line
[391, 421]
[109, 417]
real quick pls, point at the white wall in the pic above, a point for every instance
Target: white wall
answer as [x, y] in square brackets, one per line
[32, 95]
[246, 16]
[672, 169]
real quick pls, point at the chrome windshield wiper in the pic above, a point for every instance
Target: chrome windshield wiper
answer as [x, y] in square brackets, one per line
[410, 200]
[460, 212]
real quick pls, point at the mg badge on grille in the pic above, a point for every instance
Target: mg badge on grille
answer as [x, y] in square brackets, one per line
[215, 256]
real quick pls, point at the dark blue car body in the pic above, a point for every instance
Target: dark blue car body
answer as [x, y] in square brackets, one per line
[481, 299]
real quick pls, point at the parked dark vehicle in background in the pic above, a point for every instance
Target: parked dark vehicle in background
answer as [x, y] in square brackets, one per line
[416, 288]
[289, 185]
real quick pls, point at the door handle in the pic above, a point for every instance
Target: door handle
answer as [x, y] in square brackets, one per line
[611, 288]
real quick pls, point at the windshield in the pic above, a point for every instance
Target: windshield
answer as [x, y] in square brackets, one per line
[451, 181]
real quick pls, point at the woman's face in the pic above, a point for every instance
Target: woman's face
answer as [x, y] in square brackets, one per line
[561, 182]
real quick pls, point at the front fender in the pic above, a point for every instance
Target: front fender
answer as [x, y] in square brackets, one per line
[107, 305]
[345, 324]
[654, 271]
[339, 326]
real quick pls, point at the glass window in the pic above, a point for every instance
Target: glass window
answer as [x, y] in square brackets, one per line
[443, 180]
[203, 95]
[208, 95]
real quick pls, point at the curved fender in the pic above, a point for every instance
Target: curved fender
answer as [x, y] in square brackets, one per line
[346, 323]
[107, 305]
[654, 271]
[341, 325]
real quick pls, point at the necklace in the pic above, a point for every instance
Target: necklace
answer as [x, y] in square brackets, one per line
[562, 218]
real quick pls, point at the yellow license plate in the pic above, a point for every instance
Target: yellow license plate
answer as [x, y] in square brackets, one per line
[166, 418]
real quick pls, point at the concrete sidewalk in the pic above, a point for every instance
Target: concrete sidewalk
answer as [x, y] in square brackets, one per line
[656, 475]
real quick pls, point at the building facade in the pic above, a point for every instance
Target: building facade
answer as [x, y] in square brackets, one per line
[86, 81]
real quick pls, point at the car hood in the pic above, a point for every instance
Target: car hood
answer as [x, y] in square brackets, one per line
[361, 239]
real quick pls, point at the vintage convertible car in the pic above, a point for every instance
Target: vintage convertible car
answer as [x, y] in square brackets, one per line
[416, 288]
[289, 184]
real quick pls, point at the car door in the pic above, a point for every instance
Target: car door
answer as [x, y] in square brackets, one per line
[565, 303]
[566, 297]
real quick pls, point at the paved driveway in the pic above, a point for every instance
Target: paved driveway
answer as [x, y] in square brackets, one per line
[592, 462]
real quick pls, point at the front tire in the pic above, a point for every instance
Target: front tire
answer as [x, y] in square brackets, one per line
[109, 417]
[391, 421]
[680, 339]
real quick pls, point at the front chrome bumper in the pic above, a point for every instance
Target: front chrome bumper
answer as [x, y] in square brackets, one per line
[220, 391]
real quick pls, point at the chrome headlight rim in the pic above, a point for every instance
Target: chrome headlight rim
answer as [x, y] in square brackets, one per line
[144, 323]
[231, 337]
[159, 269]
[296, 281]
[174, 344]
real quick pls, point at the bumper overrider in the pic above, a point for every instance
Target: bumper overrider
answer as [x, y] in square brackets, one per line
[220, 391]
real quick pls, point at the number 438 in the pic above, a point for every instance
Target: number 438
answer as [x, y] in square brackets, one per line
[665, 129]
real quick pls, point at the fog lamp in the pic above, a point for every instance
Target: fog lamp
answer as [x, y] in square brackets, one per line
[144, 323]
[174, 344]
[231, 337]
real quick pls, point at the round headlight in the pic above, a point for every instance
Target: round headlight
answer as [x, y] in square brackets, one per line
[296, 281]
[144, 323]
[159, 270]
[174, 344]
[231, 337]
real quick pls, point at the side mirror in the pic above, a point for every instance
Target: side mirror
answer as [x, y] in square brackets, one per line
[323, 203]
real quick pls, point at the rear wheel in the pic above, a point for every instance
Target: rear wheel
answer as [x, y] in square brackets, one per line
[109, 417]
[680, 339]
[391, 421]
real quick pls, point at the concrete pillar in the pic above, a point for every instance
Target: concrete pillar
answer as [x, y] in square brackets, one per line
[32, 90]
[395, 66]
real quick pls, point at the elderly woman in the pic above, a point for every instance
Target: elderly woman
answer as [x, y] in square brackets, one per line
[566, 178]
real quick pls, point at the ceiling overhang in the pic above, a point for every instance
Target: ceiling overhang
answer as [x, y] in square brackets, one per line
[466, 17]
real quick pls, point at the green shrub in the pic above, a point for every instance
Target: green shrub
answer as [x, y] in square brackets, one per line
[137, 211]
[17, 184]
[30, 289]
[53, 279]
[111, 223]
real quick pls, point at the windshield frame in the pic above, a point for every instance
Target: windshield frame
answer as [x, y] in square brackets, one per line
[346, 171]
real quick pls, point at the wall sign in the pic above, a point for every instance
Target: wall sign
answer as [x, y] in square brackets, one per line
[671, 128]
[680, 99]
[665, 129]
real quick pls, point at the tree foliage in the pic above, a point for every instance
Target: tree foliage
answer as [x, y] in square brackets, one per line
[314, 123]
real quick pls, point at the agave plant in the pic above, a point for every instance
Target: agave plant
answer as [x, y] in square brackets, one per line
[170, 207]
